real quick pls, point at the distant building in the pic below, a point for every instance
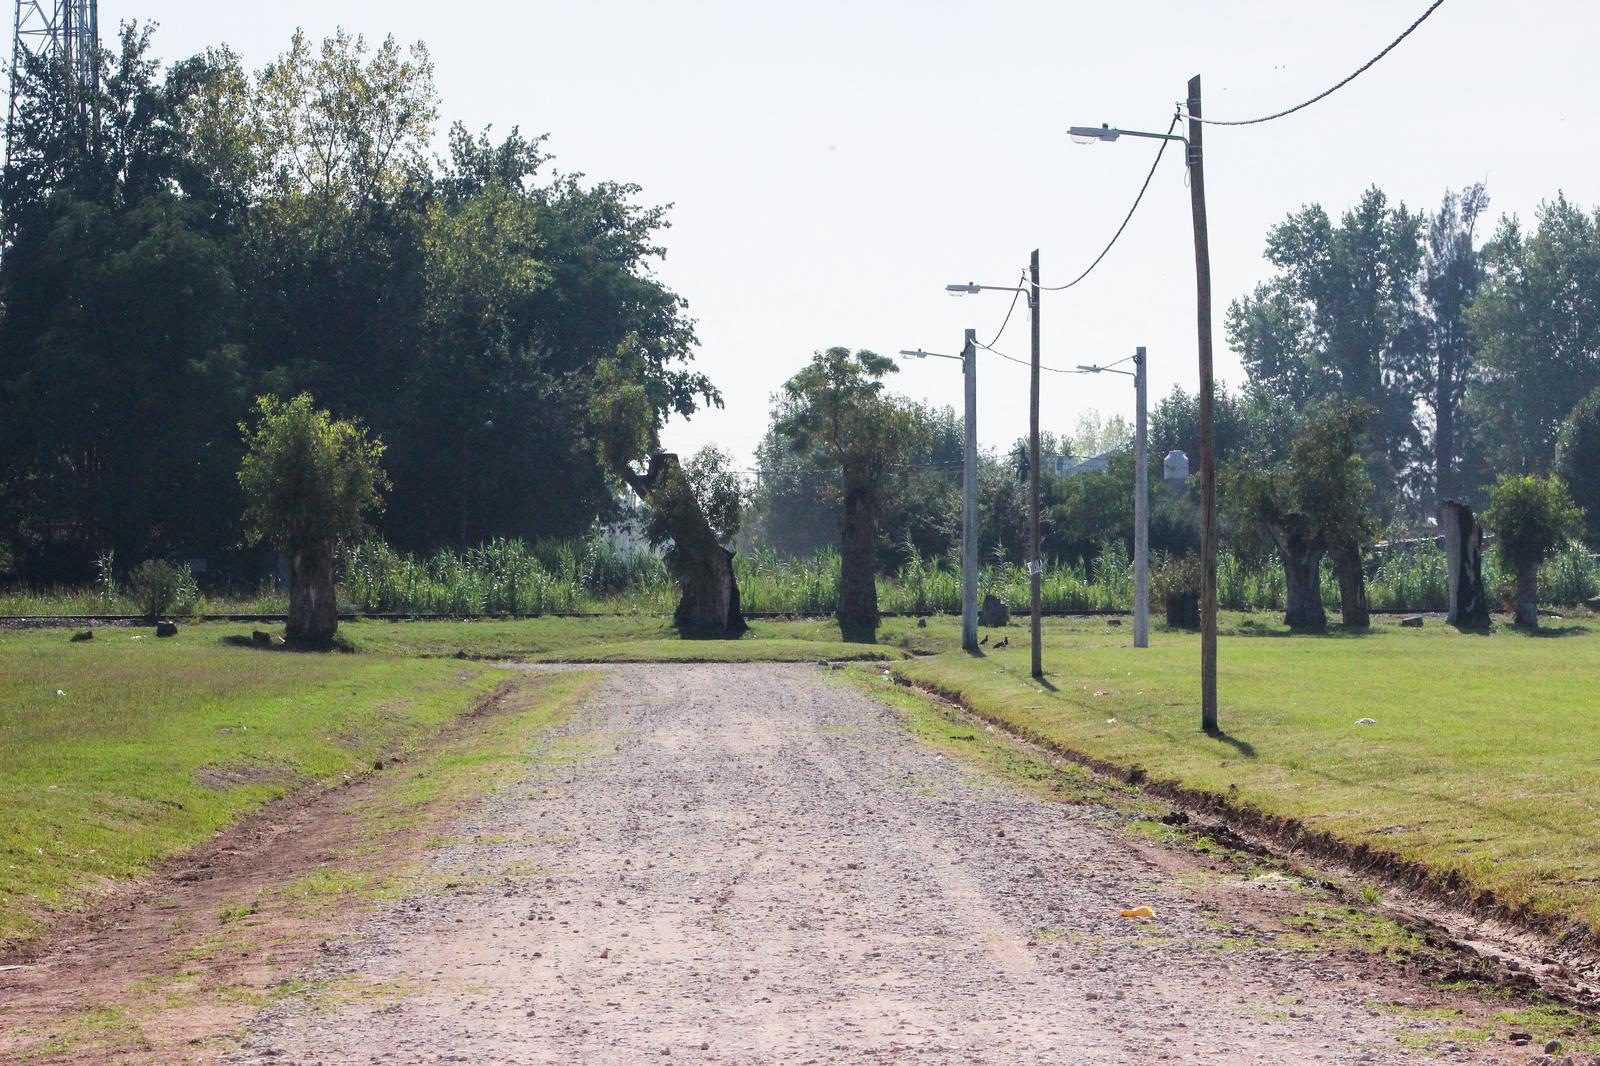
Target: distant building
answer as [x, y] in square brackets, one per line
[1070, 466]
[1175, 470]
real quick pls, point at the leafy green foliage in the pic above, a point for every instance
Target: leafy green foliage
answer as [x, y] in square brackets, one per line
[1578, 460]
[162, 589]
[1338, 318]
[217, 233]
[1531, 517]
[1537, 324]
[309, 479]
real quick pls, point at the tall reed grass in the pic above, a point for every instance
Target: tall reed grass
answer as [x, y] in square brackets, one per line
[508, 577]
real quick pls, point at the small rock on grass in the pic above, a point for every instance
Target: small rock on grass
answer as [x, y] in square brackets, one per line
[1411, 621]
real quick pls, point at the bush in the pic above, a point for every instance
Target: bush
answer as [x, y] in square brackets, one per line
[160, 589]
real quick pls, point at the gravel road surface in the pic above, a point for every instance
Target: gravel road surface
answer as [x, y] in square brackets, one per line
[760, 864]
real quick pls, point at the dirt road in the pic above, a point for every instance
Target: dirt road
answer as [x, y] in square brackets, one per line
[760, 864]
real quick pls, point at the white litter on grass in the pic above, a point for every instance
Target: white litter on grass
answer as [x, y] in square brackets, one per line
[1111, 721]
[60, 693]
[1366, 721]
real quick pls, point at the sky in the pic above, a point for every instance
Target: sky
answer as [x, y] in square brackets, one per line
[832, 165]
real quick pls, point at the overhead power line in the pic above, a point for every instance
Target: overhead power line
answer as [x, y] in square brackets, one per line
[1326, 92]
[1026, 362]
[1156, 162]
[1023, 277]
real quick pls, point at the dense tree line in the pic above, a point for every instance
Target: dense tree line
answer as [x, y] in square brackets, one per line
[196, 236]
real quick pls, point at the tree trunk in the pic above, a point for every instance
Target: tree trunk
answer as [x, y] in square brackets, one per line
[1444, 441]
[1527, 613]
[708, 592]
[1463, 550]
[858, 581]
[1302, 571]
[313, 609]
[1353, 610]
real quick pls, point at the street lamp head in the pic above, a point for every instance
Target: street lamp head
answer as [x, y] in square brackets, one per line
[1090, 369]
[1092, 134]
[969, 287]
[918, 354]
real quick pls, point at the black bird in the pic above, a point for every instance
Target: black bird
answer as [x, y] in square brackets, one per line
[1005, 642]
[922, 623]
[984, 641]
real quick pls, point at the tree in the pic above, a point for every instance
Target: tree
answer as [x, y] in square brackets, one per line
[1578, 460]
[1536, 321]
[718, 489]
[1531, 516]
[835, 410]
[1339, 319]
[310, 481]
[626, 410]
[1332, 486]
[1452, 270]
[1312, 504]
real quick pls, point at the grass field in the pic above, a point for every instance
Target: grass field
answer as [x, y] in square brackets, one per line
[1482, 758]
[124, 750]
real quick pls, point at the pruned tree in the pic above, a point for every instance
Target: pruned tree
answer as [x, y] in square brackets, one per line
[626, 411]
[1311, 505]
[1334, 489]
[310, 481]
[1531, 516]
[835, 411]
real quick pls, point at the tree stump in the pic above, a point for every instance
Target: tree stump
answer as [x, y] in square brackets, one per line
[1183, 610]
[994, 613]
[1463, 550]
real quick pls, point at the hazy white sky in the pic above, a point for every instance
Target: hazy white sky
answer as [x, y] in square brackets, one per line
[833, 164]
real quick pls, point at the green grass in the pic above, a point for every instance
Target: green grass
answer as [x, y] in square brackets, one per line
[1481, 762]
[121, 752]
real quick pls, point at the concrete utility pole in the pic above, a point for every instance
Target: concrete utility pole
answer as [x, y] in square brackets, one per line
[1141, 508]
[969, 485]
[1141, 494]
[969, 498]
[1035, 567]
[1208, 450]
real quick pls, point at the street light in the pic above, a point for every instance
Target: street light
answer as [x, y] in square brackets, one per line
[1035, 569]
[1141, 497]
[969, 486]
[1208, 455]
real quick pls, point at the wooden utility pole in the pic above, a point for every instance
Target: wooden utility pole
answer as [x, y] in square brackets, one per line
[1208, 451]
[1141, 504]
[969, 496]
[1035, 568]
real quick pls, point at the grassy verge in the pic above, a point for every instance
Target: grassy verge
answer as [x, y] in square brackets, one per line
[1480, 762]
[126, 750]
[222, 950]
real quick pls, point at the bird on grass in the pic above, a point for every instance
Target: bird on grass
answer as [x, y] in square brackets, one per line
[1004, 642]
[984, 641]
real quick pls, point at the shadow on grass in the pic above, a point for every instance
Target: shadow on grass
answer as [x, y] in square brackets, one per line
[1334, 631]
[1243, 747]
[1549, 631]
[858, 634]
[274, 644]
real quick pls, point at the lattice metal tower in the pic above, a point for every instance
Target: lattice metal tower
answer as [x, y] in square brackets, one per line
[61, 31]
